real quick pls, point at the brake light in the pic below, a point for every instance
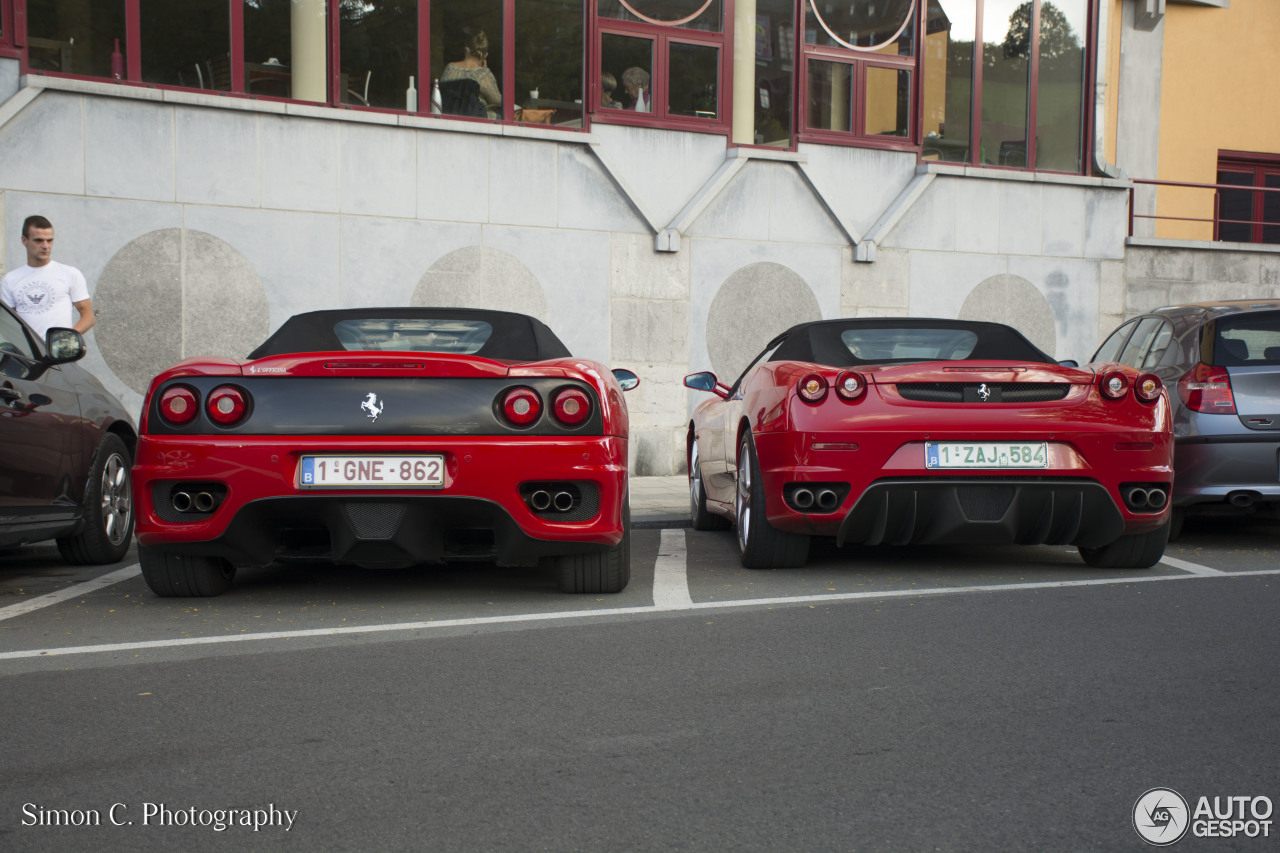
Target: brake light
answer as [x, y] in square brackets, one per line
[850, 386]
[1206, 388]
[812, 388]
[522, 406]
[1147, 387]
[1114, 385]
[178, 405]
[571, 406]
[227, 405]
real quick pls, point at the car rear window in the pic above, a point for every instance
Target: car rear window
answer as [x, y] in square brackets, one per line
[1247, 339]
[881, 345]
[464, 337]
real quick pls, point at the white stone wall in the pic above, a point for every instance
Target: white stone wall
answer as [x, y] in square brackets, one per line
[201, 223]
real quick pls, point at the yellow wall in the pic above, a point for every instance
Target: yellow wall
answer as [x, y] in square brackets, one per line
[1219, 91]
[1112, 98]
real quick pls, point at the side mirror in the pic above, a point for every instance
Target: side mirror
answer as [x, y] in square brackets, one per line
[705, 381]
[64, 345]
[626, 378]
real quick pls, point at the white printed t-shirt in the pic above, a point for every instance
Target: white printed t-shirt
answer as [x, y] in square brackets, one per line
[45, 296]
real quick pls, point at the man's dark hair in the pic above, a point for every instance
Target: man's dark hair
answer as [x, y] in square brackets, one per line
[36, 221]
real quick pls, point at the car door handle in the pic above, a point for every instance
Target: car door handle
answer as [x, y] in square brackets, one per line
[7, 392]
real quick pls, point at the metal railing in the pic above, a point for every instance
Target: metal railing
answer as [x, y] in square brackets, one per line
[1216, 220]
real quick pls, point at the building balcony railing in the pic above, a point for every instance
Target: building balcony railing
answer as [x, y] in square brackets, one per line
[1238, 213]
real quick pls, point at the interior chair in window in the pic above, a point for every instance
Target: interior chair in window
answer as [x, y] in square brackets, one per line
[462, 98]
[218, 74]
[354, 96]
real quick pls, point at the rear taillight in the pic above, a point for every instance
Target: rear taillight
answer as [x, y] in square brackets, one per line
[1147, 387]
[179, 405]
[521, 406]
[1114, 385]
[1206, 388]
[812, 388]
[227, 405]
[571, 406]
[850, 386]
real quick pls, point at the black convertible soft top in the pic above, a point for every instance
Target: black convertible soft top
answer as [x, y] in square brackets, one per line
[501, 335]
[889, 339]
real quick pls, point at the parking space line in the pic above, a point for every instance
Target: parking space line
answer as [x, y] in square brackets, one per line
[1194, 568]
[568, 615]
[670, 580]
[70, 592]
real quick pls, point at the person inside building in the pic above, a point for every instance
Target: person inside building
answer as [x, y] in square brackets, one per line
[607, 84]
[474, 66]
[635, 82]
[43, 291]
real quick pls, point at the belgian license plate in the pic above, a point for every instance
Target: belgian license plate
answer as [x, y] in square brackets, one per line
[993, 454]
[373, 472]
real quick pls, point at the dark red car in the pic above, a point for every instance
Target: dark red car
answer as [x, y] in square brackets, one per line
[905, 431]
[385, 438]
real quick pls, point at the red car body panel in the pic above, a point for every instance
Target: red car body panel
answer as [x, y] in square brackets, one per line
[878, 440]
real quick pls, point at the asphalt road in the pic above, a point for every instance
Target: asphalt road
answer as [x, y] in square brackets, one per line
[889, 699]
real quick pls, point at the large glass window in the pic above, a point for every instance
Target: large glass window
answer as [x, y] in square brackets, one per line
[770, 101]
[378, 49]
[85, 38]
[947, 91]
[549, 38]
[186, 44]
[1061, 75]
[466, 56]
[665, 58]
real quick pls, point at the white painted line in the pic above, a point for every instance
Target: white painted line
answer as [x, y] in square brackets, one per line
[1194, 568]
[70, 592]
[596, 614]
[670, 581]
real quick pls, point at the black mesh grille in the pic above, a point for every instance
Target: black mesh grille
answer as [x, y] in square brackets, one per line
[374, 520]
[985, 503]
[1005, 392]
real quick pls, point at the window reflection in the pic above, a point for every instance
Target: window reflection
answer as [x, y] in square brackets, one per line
[774, 61]
[187, 44]
[548, 54]
[830, 91]
[887, 102]
[704, 15]
[947, 88]
[695, 73]
[379, 52]
[887, 26]
[466, 56]
[629, 60]
[1059, 107]
[1006, 55]
[84, 37]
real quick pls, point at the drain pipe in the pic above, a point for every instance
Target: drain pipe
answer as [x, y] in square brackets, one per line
[1100, 164]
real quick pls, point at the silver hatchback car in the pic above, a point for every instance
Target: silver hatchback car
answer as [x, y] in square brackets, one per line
[1223, 361]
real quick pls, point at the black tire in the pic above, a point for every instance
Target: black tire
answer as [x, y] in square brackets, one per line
[595, 572]
[173, 575]
[702, 518]
[1135, 551]
[760, 545]
[107, 530]
[1177, 516]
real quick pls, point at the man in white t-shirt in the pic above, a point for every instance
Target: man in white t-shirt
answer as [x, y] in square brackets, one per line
[44, 291]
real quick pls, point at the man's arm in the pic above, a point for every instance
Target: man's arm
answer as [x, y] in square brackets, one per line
[87, 318]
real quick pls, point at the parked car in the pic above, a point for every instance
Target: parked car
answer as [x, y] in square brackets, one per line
[1223, 358]
[385, 438]
[65, 448]
[909, 430]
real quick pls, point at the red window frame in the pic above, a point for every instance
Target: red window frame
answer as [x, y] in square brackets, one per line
[659, 83]
[10, 46]
[1259, 167]
[861, 62]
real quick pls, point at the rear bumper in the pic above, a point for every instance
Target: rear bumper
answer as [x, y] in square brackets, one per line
[1209, 471]
[262, 514]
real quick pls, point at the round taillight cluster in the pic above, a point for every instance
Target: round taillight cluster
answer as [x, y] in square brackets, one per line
[812, 388]
[1114, 385]
[1147, 387]
[571, 406]
[179, 405]
[227, 405]
[522, 406]
[850, 386]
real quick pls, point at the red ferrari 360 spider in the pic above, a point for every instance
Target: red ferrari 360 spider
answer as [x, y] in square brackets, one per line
[903, 431]
[384, 438]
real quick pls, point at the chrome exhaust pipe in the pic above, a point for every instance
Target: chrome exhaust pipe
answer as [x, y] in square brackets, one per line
[1241, 499]
[1156, 498]
[802, 498]
[563, 501]
[181, 501]
[540, 500]
[827, 499]
[203, 502]
[1138, 498]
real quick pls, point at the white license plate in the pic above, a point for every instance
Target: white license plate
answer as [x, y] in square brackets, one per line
[993, 454]
[372, 472]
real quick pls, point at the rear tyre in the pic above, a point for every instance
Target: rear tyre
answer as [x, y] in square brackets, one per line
[171, 575]
[702, 518]
[760, 545]
[108, 509]
[606, 571]
[1177, 516]
[1135, 551]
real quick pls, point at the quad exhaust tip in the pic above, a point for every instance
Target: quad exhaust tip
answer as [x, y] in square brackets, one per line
[1140, 498]
[827, 499]
[201, 502]
[802, 498]
[545, 500]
